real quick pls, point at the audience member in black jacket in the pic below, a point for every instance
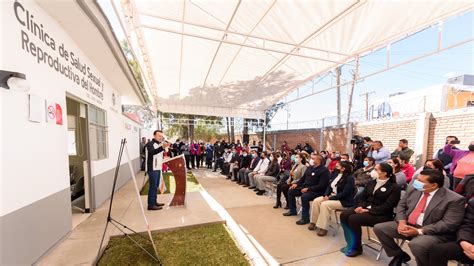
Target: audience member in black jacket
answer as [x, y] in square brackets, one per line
[463, 249]
[339, 195]
[244, 172]
[374, 205]
[243, 163]
[313, 184]
[270, 175]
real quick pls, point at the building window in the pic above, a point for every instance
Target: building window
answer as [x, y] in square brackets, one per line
[98, 133]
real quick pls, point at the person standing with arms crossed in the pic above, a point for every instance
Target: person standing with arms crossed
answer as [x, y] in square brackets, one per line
[154, 154]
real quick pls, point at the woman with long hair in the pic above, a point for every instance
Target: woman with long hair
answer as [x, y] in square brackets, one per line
[399, 175]
[270, 175]
[296, 173]
[339, 195]
[374, 205]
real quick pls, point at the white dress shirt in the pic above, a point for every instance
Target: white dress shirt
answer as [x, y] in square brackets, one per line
[263, 166]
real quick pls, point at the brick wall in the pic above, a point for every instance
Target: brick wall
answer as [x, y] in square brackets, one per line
[335, 139]
[389, 132]
[457, 123]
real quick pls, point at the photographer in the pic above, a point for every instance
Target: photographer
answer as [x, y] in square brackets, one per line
[463, 161]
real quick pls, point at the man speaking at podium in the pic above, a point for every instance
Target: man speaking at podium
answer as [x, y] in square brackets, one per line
[154, 156]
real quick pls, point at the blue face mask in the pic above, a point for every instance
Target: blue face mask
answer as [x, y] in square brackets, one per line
[418, 185]
[366, 163]
[366, 145]
[293, 158]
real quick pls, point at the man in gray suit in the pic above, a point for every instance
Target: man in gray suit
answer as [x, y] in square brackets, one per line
[428, 214]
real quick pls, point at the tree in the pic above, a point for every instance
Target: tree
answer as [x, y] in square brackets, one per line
[190, 126]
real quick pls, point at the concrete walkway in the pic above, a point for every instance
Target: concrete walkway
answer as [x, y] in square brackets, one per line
[287, 242]
[81, 245]
[273, 235]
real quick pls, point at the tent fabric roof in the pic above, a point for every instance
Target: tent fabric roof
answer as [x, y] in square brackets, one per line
[237, 58]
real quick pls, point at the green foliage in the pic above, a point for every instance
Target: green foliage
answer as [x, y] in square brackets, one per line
[180, 125]
[201, 245]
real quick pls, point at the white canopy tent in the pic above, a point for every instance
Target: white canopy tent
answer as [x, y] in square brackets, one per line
[238, 58]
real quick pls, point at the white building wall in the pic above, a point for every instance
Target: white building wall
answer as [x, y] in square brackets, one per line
[35, 155]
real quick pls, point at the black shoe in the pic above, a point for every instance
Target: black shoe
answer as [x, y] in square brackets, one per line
[227, 178]
[252, 187]
[256, 189]
[289, 214]
[400, 259]
[302, 222]
[154, 208]
[261, 192]
[212, 170]
[234, 181]
[160, 204]
[246, 185]
[277, 205]
[353, 253]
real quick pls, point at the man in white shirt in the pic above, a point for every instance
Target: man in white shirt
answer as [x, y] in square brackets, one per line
[259, 170]
[429, 214]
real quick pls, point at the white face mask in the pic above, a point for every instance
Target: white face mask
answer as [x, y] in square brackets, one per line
[311, 162]
[374, 174]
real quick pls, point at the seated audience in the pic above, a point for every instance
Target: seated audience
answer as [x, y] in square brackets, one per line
[345, 158]
[462, 249]
[285, 163]
[402, 150]
[244, 163]
[244, 172]
[261, 169]
[374, 205]
[270, 175]
[339, 195]
[466, 187]
[406, 168]
[307, 148]
[432, 164]
[296, 173]
[312, 185]
[399, 175]
[427, 215]
[379, 152]
[463, 161]
[365, 174]
[324, 154]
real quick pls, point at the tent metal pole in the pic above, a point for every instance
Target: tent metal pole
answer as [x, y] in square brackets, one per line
[265, 132]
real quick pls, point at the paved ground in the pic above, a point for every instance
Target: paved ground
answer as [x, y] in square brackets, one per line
[272, 234]
[81, 245]
[287, 242]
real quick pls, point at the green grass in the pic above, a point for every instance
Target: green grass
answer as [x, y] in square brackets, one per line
[191, 185]
[202, 245]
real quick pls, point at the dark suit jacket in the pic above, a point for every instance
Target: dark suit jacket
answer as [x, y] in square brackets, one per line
[315, 178]
[345, 190]
[383, 201]
[466, 231]
[255, 162]
[443, 215]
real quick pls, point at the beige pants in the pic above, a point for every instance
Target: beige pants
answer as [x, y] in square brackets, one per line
[321, 211]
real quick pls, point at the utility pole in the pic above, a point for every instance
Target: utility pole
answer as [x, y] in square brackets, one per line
[367, 103]
[338, 93]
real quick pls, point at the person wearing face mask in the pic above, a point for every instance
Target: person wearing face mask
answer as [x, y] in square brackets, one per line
[339, 195]
[325, 161]
[345, 158]
[463, 161]
[427, 215]
[362, 175]
[260, 169]
[244, 172]
[296, 173]
[434, 164]
[243, 163]
[374, 205]
[313, 184]
[270, 175]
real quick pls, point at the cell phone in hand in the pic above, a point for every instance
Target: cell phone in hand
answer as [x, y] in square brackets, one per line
[455, 142]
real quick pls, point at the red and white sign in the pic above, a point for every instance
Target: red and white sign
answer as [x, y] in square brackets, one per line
[54, 113]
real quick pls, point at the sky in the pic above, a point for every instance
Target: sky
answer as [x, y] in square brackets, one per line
[432, 70]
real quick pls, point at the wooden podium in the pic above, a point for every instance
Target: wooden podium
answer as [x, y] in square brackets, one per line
[178, 168]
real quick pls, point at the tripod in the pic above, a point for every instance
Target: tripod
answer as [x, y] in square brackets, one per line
[121, 227]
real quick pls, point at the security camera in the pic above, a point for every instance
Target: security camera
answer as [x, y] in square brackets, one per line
[13, 80]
